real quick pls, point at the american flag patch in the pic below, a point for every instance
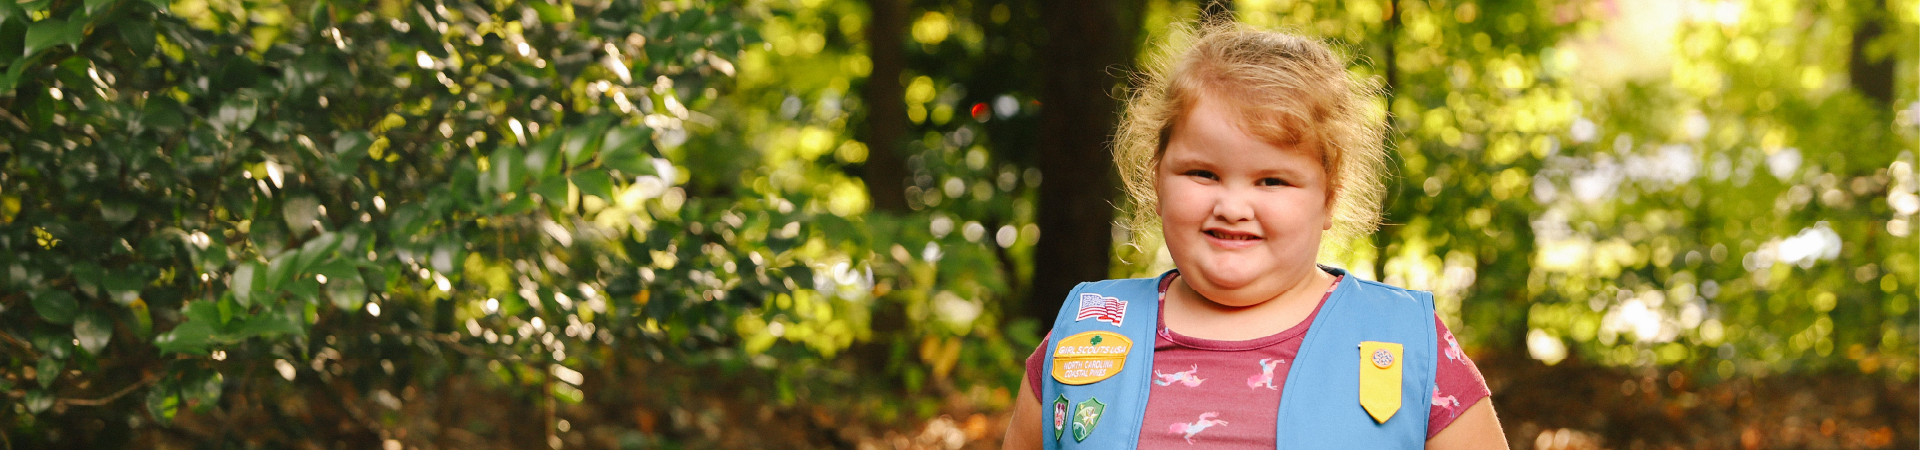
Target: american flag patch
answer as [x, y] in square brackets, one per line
[1105, 309]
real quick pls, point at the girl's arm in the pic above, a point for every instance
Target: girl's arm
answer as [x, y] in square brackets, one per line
[1023, 433]
[1476, 428]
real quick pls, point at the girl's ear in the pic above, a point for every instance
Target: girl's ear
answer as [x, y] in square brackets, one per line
[1333, 194]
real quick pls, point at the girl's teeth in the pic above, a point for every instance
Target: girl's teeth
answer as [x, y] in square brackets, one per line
[1236, 237]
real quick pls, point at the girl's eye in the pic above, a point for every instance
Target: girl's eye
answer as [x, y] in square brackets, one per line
[1202, 174]
[1272, 182]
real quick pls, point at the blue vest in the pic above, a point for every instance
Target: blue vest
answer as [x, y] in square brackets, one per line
[1320, 407]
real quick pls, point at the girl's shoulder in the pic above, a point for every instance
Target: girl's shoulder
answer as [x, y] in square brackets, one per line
[1370, 289]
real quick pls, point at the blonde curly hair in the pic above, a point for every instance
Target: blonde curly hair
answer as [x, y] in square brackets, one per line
[1287, 89]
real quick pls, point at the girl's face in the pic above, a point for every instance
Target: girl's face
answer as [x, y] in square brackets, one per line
[1242, 217]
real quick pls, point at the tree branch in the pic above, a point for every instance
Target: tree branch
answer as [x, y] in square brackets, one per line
[110, 398]
[23, 346]
[15, 120]
[454, 343]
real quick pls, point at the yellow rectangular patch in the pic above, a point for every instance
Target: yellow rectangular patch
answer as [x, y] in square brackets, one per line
[1091, 356]
[1380, 364]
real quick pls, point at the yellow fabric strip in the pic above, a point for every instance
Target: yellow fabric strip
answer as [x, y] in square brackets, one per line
[1380, 364]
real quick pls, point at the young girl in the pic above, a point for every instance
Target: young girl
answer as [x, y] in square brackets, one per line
[1247, 147]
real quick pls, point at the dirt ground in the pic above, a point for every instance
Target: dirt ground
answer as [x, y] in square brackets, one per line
[645, 406]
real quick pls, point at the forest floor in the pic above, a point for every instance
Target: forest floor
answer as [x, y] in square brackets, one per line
[643, 405]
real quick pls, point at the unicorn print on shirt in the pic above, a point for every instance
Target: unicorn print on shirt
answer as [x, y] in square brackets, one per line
[1453, 348]
[1187, 377]
[1265, 378]
[1187, 430]
[1446, 402]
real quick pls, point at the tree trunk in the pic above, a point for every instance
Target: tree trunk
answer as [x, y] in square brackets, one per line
[1871, 74]
[1079, 109]
[1382, 237]
[885, 174]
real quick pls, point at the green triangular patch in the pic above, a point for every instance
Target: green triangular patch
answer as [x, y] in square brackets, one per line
[1059, 417]
[1086, 415]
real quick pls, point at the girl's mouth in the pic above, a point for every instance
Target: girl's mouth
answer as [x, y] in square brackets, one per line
[1231, 236]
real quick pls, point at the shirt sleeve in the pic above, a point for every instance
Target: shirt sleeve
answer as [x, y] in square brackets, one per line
[1036, 363]
[1457, 382]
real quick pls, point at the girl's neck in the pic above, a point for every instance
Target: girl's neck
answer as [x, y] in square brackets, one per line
[1190, 313]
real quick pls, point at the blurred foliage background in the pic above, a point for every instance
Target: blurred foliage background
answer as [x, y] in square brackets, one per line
[819, 223]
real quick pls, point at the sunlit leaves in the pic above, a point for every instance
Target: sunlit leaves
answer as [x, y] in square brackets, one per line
[275, 167]
[1712, 219]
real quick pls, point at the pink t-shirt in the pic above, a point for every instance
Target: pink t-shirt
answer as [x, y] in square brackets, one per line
[1198, 398]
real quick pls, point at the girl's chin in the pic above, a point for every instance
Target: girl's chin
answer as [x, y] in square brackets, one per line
[1235, 277]
[1232, 299]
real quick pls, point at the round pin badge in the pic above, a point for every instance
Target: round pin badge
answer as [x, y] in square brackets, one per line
[1382, 358]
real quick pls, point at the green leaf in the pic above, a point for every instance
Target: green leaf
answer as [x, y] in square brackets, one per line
[580, 141]
[272, 323]
[56, 345]
[304, 289]
[540, 159]
[142, 319]
[123, 280]
[45, 34]
[344, 286]
[97, 5]
[238, 72]
[568, 394]
[190, 337]
[508, 166]
[244, 280]
[337, 270]
[551, 13]
[38, 400]
[55, 306]
[623, 151]
[49, 370]
[88, 277]
[626, 140]
[204, 392]
[162, 113]
[517, 206]
[163, 403]
[225, 311]
[194, 335]
[279, 271]
[554, 190]
[801, 274]
[93, 329]
[207, 312]
[12, 77]
[315, 250]
[13, 35]
[118, 212]
[138, 34]
[354, 143]
[595, 183]
[236, 115]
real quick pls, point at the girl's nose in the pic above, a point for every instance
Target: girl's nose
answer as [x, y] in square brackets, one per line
[1229, 207]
